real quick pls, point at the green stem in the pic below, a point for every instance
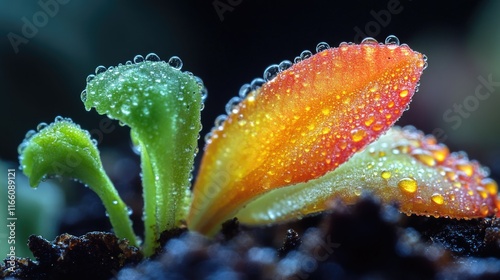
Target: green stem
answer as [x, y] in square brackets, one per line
[149, 195]
[115, 207]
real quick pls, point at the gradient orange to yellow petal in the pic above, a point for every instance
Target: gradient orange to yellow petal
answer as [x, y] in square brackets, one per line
[303, 123]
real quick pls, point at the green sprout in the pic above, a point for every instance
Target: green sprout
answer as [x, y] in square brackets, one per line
[161, 105]
[64, 149]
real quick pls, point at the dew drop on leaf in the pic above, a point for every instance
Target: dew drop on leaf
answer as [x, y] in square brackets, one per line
[83, 96]
[152, 57]
[138, 58]
[100, 69]
[41, 126]
[175, 62]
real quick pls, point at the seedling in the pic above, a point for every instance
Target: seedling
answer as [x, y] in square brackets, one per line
[309, 132]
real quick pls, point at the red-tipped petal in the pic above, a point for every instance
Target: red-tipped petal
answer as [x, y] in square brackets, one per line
[302, 124]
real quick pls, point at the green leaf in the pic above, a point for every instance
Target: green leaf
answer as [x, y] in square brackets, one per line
[161, 105]
[64, 149]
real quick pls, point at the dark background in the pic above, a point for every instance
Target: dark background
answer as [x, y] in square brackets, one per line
[45, 77]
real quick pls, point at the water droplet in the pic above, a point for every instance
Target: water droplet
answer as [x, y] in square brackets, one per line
[305, 54]
[83, 96]
[100, 69]
[490, 185]
[271, 72]
[90, 78]
[482, 192]
[358, 191]
[424, 157]
[41, 126]
[29, 134]
[21, 147]
[440, 152]
[129, 211]
[125, 109]
[207, 137]
[257, 83]
[385, 175]
[204, 95]
[297, 59]
[392, 40]
[484, 209]
[358, 135]
[322, 46]
[467, 168]
[138, 58]
[58, 119]
[232, 105]
[128, 62]
[152, 57]
[115, 202]
[244, 90]
[94, 142]
[437, 198]
[408, 185]
[403, 93]
[220, 120]
[369, 41]
[175, 62]
[285, 64]
[369, 121]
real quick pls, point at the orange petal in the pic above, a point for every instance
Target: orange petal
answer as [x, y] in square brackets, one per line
[303, 123]
[402, 166]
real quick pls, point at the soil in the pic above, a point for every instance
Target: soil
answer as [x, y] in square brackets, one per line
[362, 241]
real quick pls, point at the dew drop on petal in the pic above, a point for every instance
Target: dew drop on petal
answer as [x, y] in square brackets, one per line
[369, 41]
[408, 185]
[285, 64]
[244, 90]
[490, 185]
[385, 174]
[257, 83]
[358, 135]
[220, 120]
[305, 54]
[392, 40]
[437, 198]
[322, 46]
[271, 72]
[232, 105]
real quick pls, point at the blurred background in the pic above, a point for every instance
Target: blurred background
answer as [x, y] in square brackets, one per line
[48, 48]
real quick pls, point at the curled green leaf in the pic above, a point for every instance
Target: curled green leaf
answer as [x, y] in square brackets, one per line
[64, 149]
[161, 105]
